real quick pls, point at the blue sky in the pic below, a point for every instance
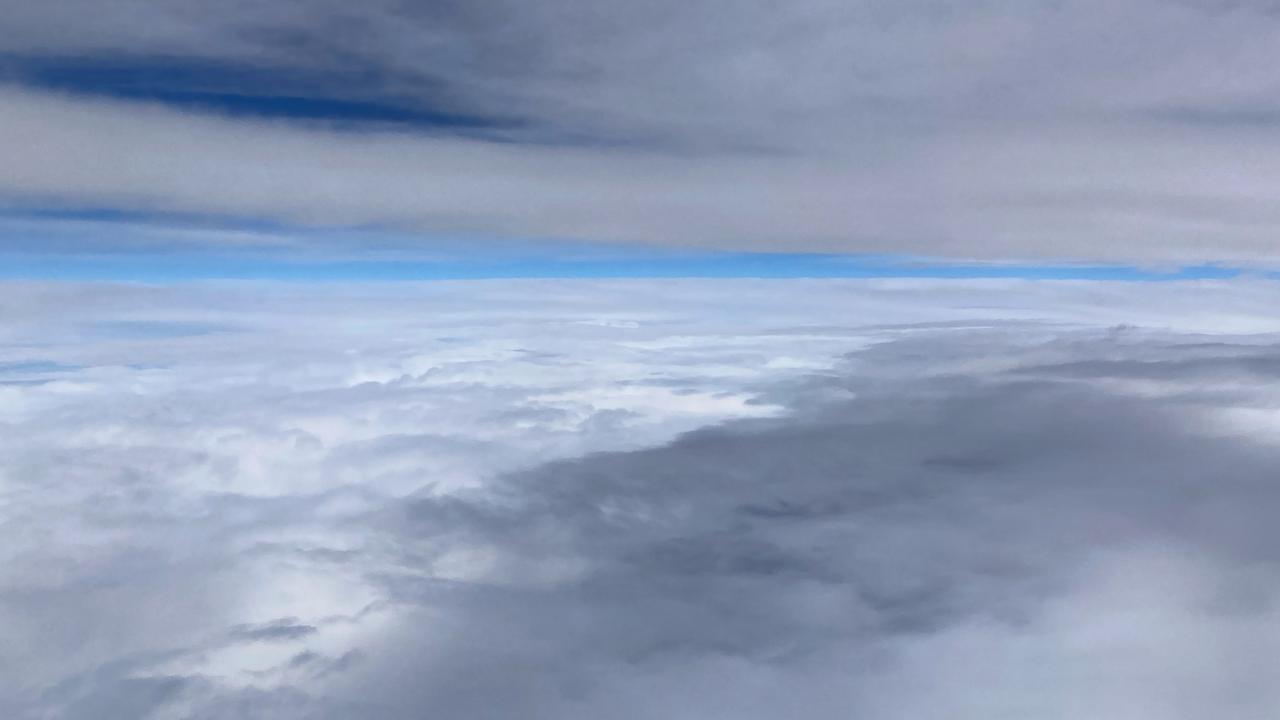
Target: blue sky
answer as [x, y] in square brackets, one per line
[239, 89]
[106, 245]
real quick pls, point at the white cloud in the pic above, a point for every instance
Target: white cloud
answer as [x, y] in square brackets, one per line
[297, 500]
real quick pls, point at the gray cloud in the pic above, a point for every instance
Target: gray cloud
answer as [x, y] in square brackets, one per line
[783, 565]
[1068, 130]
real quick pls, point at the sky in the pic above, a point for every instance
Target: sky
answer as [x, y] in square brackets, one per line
[696, 360]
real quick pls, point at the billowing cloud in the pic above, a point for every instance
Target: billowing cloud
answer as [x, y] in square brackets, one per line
[639, 500]
[1066, 130]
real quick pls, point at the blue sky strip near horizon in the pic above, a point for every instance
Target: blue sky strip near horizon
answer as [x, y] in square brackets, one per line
[109, 245]
[198, 267]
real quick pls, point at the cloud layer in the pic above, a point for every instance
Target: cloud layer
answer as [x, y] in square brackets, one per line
[1067, 130]
[639, 500]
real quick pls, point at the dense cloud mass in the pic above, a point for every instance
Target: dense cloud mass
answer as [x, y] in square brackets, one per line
[640, 500]
[1071, 129]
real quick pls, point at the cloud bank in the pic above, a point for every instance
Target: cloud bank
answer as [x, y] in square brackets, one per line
[639, 500]
[1066, 130]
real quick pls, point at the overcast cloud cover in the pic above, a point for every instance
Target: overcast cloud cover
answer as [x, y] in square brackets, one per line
[1142, 130]
[640, 499]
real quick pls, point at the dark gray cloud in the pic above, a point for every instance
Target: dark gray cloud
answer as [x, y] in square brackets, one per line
[818, 545]
[282, 629]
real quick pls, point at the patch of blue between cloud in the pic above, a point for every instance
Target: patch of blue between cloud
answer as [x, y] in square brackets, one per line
[92, 244]
[343, 95]
[36, 367]
[33, 373]
[153, 329]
